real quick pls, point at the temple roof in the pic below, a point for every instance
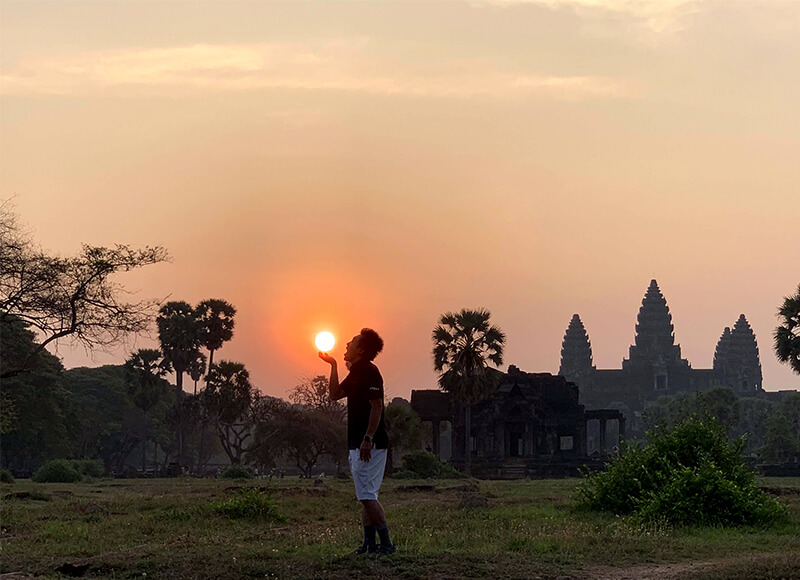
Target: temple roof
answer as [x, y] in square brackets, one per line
[655, 341]
[576, 350]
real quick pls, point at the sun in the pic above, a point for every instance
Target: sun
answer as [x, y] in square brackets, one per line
[324, 341]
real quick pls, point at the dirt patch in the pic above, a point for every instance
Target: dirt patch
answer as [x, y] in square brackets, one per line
[681, 570]
[646, 571]
[781, 490]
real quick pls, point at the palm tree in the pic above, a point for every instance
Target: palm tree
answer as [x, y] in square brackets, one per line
[180, 334]
[216, 317]
[464, 344]
[196, 369]
[787, 335]
[144, 375]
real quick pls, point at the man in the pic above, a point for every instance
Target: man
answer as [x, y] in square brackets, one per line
[366, 432]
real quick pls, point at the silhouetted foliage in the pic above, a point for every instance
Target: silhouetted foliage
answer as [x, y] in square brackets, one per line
[144, 376]
[722, 404]
[68, 297]
[36, 409]
[236, 471]
[690, 475]
[403, 427]
[421, 464]
[228, 398]
[780, 441]
[464, 343]
[787, 335]
[180, 334]
[216, 317]
[306, 434]
[313, 394]
[57, 471]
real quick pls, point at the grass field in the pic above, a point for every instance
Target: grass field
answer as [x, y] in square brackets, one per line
[530, 529]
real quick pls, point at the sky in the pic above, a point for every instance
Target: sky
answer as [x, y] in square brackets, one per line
[334, 165]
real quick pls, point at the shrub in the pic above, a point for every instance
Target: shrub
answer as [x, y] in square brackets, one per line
[57, 471]
[424, 464]
[5, 476]
[691, 475]
[89, 467]
[249, 504]
[236, 471]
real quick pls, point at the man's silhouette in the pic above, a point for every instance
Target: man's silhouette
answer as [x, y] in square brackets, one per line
[366, 432]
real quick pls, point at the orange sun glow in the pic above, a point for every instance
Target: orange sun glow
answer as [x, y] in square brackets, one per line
[324, 341]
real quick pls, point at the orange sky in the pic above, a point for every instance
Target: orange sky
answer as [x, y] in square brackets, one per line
[335, 165]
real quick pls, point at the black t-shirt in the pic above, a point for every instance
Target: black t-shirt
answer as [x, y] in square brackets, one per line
[362, 384]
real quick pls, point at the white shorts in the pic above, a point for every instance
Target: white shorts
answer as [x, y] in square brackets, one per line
[367, 475]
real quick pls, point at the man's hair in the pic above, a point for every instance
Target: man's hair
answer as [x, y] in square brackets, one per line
[371, 344]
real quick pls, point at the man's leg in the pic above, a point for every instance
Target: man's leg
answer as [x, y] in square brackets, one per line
[373, 511]
[369, 545]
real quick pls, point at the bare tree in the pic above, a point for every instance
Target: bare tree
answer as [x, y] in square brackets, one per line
[71, 297]
[312, 393]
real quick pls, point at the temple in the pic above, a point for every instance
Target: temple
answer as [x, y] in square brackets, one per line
[533, 425]
[541, 425]
[655, 367]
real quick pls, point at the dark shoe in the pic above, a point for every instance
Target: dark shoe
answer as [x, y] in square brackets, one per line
[364, 549]
[385, 550]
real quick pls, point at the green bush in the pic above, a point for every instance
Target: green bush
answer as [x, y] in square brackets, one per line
[5, 476]
[57, 471]
[89, 467]
[249, 504]
[424, 464]
[236, 471]
[691, 475]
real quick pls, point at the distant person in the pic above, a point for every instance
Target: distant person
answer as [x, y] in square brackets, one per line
[366, 432]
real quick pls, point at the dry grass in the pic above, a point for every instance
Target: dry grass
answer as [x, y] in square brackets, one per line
[169, 529]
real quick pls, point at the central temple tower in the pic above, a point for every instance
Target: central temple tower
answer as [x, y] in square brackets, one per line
[655, 360]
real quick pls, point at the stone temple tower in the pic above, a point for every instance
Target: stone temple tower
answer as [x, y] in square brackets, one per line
[721, 363]
[737, 360]
[576, 354]
[655, 358]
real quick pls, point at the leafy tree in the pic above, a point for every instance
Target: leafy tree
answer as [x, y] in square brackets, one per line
[404, 428]
[313, 394]
[753, 416]
[36, 409]
[267, 446]
[216, 318]
[721, 404]
[180, 334]
[464, 344]
[73, 297]
[307, 434]
[790, 408]
[228, 397]
[779, 441]
[787, 335]
[144, 375]
[105, 418]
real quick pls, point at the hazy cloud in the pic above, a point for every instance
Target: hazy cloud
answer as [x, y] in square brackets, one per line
[334, 66]
[657, 16]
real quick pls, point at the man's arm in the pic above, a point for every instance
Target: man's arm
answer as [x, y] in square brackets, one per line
[376, 408]
[335, 391]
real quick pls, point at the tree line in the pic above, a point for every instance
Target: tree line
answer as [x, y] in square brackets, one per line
[46, 411]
